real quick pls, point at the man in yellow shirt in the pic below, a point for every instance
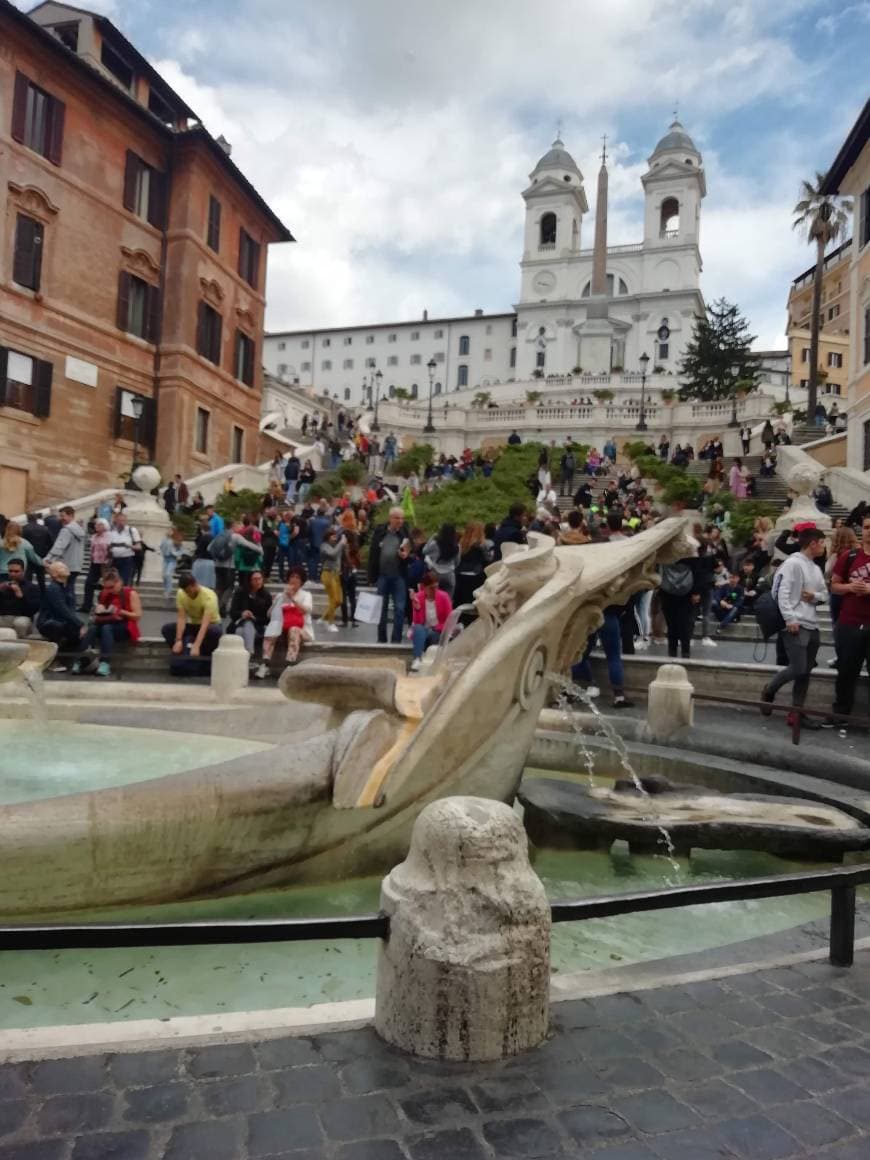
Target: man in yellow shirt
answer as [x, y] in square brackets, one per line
[197, 628]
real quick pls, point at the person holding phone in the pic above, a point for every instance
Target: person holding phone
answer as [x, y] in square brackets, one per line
[388, 569]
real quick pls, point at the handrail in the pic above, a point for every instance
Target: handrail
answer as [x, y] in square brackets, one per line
[841, 883]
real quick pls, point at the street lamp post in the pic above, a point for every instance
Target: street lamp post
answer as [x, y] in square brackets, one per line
[138, 405]
[644, 363]
[430, 367]
[378, 379]
[733, 422]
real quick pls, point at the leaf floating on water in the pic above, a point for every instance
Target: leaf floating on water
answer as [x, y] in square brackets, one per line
[617, 958]
[90, 999]
[24, 1000]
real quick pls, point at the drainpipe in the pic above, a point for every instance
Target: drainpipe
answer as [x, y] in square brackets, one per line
[164, 248]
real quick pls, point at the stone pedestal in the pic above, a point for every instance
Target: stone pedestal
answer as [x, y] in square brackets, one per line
[145, 513]
[669, 704]
[465, 972]
[803, 478]
[229, 667]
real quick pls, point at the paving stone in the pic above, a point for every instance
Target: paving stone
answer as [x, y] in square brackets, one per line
[753, 1137]
[716, 1099]
[830, 998]
[438, 1105]
[709, 1027]
[687, 1064]
[291, 1052]
[371, 1150]
[157, 1104]
[696, 1144]
[243, 1093]
[653, 1036]
[274, 1133]
[853, 1018]
[72, 1114]
[706, 992]
[37, 1150]
[655, 1112]
[457, 1144]
[132, 1145]
[850, 1059]
[209, 1140]
[360, 1117]
[821, 1030]
[13, 1113]
[364, 1075]
[142, 1069]
[57, 1076]
[631, 1150]
[12, 1082]
[788, 978]
[622, 1008]
[780, 1040]
[522, 1137]
[220, 1061]
[737, 1053]
[788, 1005]
[347, 1045]
[848, 1150]
[667, 1000]
[597, 1043]
[767, 1086]
[756, 985]
[813, 1074]
[590, 1122]
[629, 1073]
[508, 1092]
[811, 1124]
[574, 1013]
[566, 1085]
[853, 1104]
[306, 1085]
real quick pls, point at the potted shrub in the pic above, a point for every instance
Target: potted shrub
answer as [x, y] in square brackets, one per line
[533, 397]
[617, 369]
[537, 373]
[668, 395]
[576, 370]
[603, 395]
[658, 369]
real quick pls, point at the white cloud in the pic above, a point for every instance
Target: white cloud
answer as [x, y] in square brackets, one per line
[395, 138]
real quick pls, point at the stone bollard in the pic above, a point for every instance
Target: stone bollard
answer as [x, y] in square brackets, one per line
[669, 705]
[465, 973]
[229, 667]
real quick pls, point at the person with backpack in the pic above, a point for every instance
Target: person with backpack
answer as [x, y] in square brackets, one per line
[221, 550]
[798, 587]
[268, 527]
[679, 595]
[247, 553]
[292, 468]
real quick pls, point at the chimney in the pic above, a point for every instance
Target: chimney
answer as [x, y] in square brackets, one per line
[425, 315]
[477, 312]
[225, 145]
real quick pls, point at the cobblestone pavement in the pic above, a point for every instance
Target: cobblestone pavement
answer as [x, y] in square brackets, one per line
[761, 1066]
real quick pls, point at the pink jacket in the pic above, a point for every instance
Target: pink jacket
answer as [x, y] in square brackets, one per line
[100, 547]
[443, 608]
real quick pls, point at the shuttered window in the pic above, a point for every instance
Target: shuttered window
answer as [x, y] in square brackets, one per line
[208, 333]
[37, 119]
[237, 450]
[244, 359]
[145, 190]
[138, 307]
[214, 224]
[27, 258]
[124, 423]
[201, 431]
[249, 258]
[25, 382]
[864, 218]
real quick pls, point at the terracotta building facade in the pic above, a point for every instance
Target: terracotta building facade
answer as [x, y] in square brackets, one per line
[132, 269]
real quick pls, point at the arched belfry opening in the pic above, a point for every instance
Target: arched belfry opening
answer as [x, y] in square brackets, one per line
[669, 222]
[548, 229]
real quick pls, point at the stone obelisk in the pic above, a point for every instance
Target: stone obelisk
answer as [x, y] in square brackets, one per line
[596, 333]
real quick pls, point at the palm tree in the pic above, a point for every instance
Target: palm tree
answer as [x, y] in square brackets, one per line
[822, 219]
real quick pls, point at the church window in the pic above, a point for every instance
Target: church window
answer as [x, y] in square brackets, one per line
[392, 391]
[513, 362]
[614, 286]
[416, 359]
[805, 354]
[414, 390]
[439, 334]
[306, 366]
[371, 363]
[489, 328]
[326, 342]
[514, 327]
[348, 364]
[346, 394]
[548, 230]
[415, 336]
[326, 365]
[348, 340]
[464, 344]
[669, 221]
[462, 376]
[282, 346]
[370, 338]
[439, 357]
[567, 177]
[663, 351]
[305, 344]
[393, 360]
[575, 234]
[391, 338]
[540, 359]
[437, 389]
[487, 355]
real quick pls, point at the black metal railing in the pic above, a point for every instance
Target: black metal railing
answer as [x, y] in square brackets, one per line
[842, 884]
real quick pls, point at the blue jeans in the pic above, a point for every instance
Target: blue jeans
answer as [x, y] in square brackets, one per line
[168, 575]
[392, 586]
[610, 638]
[422, 637]
[107, 635]
[726, 616]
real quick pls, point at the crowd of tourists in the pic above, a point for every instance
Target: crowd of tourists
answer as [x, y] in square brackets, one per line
[421, 583]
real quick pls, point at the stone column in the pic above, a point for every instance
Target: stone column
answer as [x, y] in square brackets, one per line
[465, 972]
[229, 667]
[669, 704]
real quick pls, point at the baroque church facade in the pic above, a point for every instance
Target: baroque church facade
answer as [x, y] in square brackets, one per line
[597, 308]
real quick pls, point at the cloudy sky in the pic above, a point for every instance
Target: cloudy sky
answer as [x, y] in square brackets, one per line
[394, 136]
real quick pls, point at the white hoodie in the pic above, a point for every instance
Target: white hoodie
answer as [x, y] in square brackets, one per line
[796, 573]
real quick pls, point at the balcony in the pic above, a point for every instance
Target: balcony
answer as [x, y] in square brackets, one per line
[546, 246]
[669, 235]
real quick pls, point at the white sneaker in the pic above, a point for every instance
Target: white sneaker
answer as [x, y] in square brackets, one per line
[592, 691]
[415, 665]
[708, 642]
[640, 644]
[332, 628]
[261, 671]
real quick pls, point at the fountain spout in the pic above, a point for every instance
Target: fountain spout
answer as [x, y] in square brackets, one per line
[25, 659]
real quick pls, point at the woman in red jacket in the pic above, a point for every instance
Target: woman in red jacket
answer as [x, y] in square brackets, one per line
[430, 607]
